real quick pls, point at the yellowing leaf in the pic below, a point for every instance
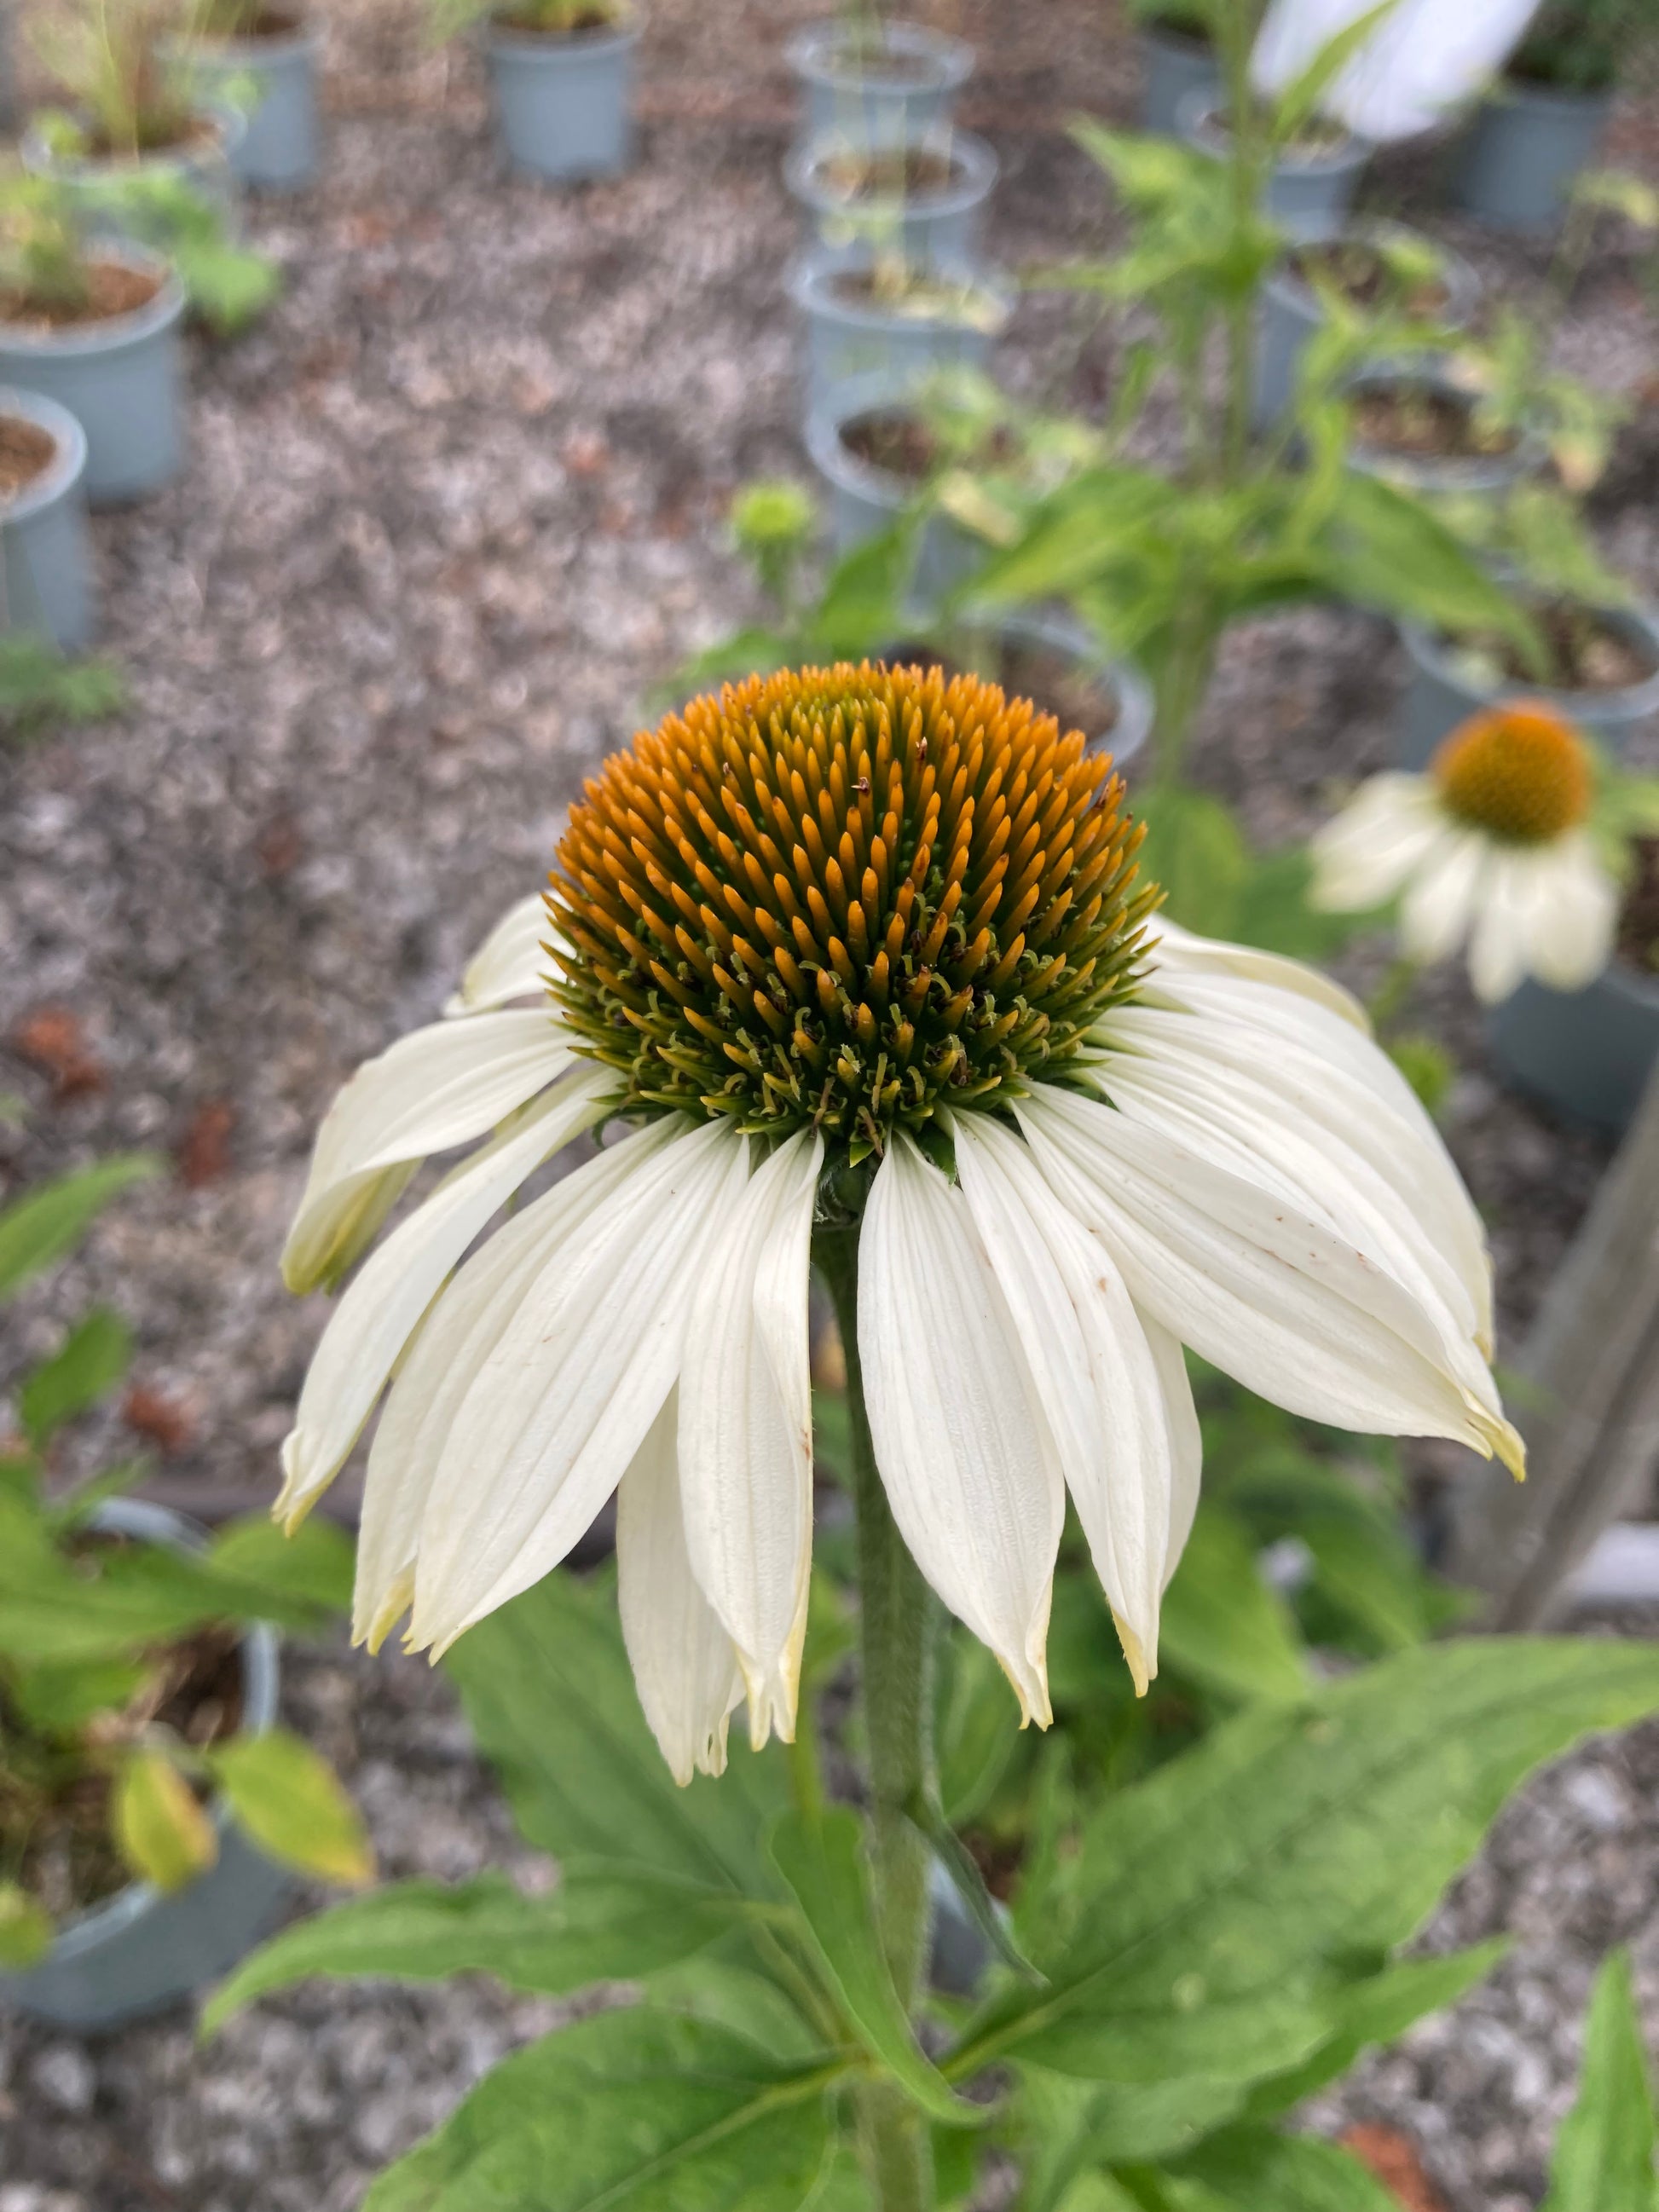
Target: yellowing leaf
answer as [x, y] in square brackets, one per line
[290, 1802]
[25, 1929]
[160, 1830]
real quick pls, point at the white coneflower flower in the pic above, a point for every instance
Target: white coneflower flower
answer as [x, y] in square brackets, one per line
[1492, 844]
[859, 939]
[1424, 58]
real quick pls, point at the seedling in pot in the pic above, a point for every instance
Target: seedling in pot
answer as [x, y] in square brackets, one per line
[541, 18]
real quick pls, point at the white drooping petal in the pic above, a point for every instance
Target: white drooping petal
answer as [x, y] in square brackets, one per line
[1444, 895]
[1425, 60]
[1095, 1373]
[1501, 940]
[1362, 855]
[1179, 957]
[462, 1327]
[684, 1667]
[964, 1448]
[1575, 917]
[385, 1301]
[1185, 1437]
[1269, 1296]
[511, 962]
[439, 1087]
[562, 1401]
[1247, 1124]
[745, 1433]
[1313, 1065]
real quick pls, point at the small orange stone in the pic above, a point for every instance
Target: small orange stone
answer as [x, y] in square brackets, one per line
[1521, 771]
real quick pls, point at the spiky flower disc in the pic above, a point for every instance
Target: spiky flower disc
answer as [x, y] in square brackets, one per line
[843, 897]
[1521, 772]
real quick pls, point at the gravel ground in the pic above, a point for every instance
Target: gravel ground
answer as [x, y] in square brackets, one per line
[450, 511]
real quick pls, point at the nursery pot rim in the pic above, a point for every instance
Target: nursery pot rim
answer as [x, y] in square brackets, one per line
[1462, 278]
[1203, 105]
[977, 158]
[68, 464]
[810, 281]
[229, 129]
[86, 1929]
[109, 332]
[557, 48]
[306, 36]
[1449, 472]
[1049, 627]
[1629, 703]
[941, 63]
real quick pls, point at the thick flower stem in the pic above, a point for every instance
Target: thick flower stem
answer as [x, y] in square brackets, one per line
[898, 1617]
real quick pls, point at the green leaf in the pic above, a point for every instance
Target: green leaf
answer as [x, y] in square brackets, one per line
[1375, 2010]
[733, 1994]
[160, 1827]
[550, 1694]
[1222, 1625]
[1194, 849]
[588, 1930]
[313, 1566]
[1064, 2126]
[1302, 97]
[60, 1700]
[821, 1859]
[1293, 1839]
[1385, 548]
[1249, 2169]
[50, 1223]
[636, 2111]
[24, 1927]
[92, 1361]
[1604, 2154]
[288, 1800]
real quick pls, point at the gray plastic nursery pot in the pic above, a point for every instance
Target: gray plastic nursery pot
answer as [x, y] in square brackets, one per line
[1175, 68]
[1587, 1054]
[121, 377]
[1444, 690]
[1523, 149]
[933, 225]
[141, 1950]
[864, 501]
[1289, 312]
[848, 340]
[45, 556]
[1129, 725]
[207, 165]
[564, 106]
[278, 152]
[1308, 194]
[1435, 476]
[896, 97]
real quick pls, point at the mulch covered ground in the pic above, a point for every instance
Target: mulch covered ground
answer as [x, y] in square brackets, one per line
[451, 511]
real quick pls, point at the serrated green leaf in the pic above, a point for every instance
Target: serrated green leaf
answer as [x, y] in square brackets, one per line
[820, 1859]
[549, 1693]
[290, 1801]
[50, 1223]
[24, 1927]
[1221, 1623]
[589, 1929]
[1603, 2158]
[160, 1828]
[1293, 1837]
[636, 2112]
[90, 1363]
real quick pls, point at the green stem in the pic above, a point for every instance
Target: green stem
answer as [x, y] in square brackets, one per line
[897, 1624]
[1389, 1001]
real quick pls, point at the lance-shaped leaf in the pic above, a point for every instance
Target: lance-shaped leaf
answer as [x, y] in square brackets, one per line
[1249, 2169]
[591, 1929]
[1291, 1841]
[1604, 2154]
[821, 1859]
[91, 1361]
[550, 1696]
[49, 1223]
[637, 2111]
[160, 1828]
[289, 1801]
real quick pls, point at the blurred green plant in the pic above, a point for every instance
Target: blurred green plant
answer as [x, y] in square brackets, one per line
[39, 689]
[551, 19]
[1586, 45]
[100, 1628]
